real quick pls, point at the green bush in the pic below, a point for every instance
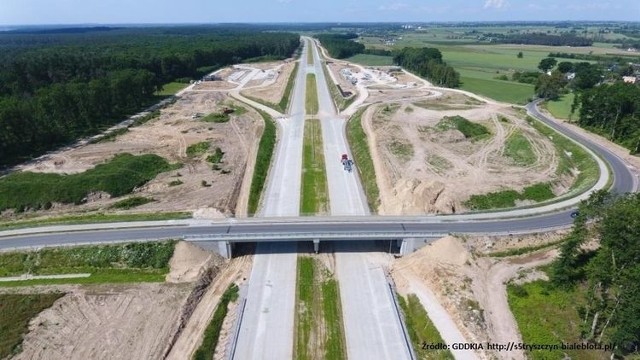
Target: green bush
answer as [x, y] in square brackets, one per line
[198, 149]
[216, 118]
[263, 161]
[119, 176]
[175, 183]
[216, 157]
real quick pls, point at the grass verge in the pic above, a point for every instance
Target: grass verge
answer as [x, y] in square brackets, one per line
[212, 333]
[549, 315]
[561, 108]
[263, 161]
[318, 313]
[572, 158]
[314, 199]
[518, 148]
[119, 176]
[507, 198]
[421, 329]
[311, 101]
[171, 88]
[363, 160]
[16, 310]
[93, 218]
[121, 263]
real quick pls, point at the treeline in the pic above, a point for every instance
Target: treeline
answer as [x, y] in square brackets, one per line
[427, 62]
[340, 46]
[613, 110]
[55, 88]
[543, 39]
[610, 275]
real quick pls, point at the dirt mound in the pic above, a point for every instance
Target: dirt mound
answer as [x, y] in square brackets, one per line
[448, 250]
[414, 196]
[208, 213]
[189, 262]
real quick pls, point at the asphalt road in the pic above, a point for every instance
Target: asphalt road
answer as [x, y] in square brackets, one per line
[268, 318]
[371, 322]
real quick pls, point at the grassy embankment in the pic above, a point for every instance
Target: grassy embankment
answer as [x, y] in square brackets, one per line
[91, 219]
[16, 310]
[117, 177]
[318, 313]
[121, 263]
[311, 96]
[362, 158]
[314, 199]
[212, 333]
[283, 104]
[266, 148]
[549, 315]
[572, 159]
[421, 329]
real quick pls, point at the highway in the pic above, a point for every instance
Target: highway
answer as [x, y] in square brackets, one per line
[374, 330]
[268, 320]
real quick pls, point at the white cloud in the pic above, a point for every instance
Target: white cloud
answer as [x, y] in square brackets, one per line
[393, 6]
[495, 4]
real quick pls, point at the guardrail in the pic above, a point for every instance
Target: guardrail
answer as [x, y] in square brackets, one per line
[301, 236]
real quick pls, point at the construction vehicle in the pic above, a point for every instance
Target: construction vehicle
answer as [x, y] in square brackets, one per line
[347, 163]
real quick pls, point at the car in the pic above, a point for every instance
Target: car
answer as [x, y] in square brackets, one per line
[574, 214]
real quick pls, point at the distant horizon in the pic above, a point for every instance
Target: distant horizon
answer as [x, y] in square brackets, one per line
[186, 12]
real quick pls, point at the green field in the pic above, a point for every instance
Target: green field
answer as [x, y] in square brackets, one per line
[171, 88]
[16, 310]
[561, 108]
[117, 177]
[266, 148]
[500, 90]
[314, 198]
[547, 315]
[371, 60]
[311, 101]
[318, 313]
[362, 157]
[421, 330]
[212, 333]
[121, 263]
[518, 148]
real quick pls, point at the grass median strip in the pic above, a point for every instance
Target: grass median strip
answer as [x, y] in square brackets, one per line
[363, 160]
[121, 263]
[16, 310]
[266, 148]
[311, 100]
[319, 331]
[421, 329]
[212, 333]
[310, 56]
[314, 199]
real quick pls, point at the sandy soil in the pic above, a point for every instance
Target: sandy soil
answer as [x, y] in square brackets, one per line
[169, 136]
[107, 322]
[236, 271]
[472, 289]
[424, 170]
[270, 91]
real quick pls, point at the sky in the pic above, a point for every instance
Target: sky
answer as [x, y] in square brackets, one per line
[36, 12]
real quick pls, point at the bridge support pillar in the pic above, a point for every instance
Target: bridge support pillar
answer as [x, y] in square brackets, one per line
[225, 249]
[316, 245]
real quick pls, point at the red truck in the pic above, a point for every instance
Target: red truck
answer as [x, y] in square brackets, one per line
[346, 162]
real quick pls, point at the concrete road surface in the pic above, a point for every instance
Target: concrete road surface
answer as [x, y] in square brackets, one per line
[266, 331]
[372, 327]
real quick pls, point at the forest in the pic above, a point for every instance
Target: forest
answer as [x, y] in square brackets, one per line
[612, 110]
[57, 87]
[340, 46]
[427, 62]
[610, 274]
[542, 39]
